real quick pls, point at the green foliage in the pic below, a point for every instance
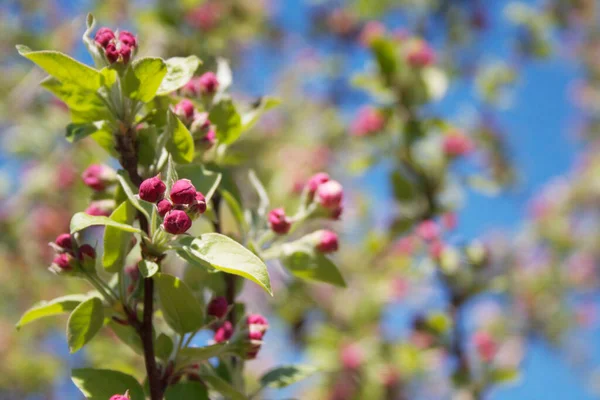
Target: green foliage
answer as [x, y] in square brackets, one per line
[84, 322]
[180, 308]
[228, 121]
[143, 79]
[180, 143]
[179, 71]
[227, 255]
[101, 384]
[283, 376]
[117, 241]
[50, 308]
[186, 390]
[82, 220]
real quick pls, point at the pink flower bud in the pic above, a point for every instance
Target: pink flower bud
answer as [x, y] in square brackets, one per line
[112, 53]
[210, 138]
[200, 124]
[99, 208]
[163, 207]
[183, 192]
[185, 110]
[217, 307]
[336, 213]
[177, 222]
[352, 356]
[279, 222]
[420, 54]
[368, 121]
[127, 38]
[86, 251]
[224, 332]
[125, 53]
[457, 144]
[98, 177]
[428, 230]
[65, 241]
[152, 189]
[199, 206]
[371, 31]
[330, 194]
[485, 345]
[257, 323]
[328, 242]
[205, 17]
[208, 83]
[436, 247]
[315, 181]
[120, 397]
[191, 88]
[449, 220]
[103, 37]
[63, 261]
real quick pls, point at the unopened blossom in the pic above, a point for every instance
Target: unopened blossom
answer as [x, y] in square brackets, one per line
[368, 121]
[152, 189]
[328, 242]
[177, 222]
[217, 307]
[183, 192]
[279, 222]
[330, 194]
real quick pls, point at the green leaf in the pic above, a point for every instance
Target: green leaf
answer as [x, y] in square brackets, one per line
[402, 187]
[305, 263]
[172, 175]
[264, 201]
[77, 132]
[90, 44]
[385, 54]
[105, 139]
[163, 346]
[283, 376]
[85, 105]
[142, 206]
[204, 181]
[236, 209]
[181, 309]
[148, 268]
[143, 78]
[180, 142]
[504, 375]
[228, 121]
[227, 255]
[58, 306]
[64, 68]
[82, 220]
[101, 384]
[264, 104]
[128, 335]
[117, 241]
[223, 387]
[198, 354]
[179, 71]
[85, 321]
[186, 391]
[147, 147]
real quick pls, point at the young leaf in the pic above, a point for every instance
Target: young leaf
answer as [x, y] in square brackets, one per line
[283, 376]
[77, 132]
[90, 44]
[223, 387]
[385, 53]
[85, 104]
[64, 68]
[85, 321]
[204, 181]
[143, 78]
[307, 264]
[148, 268]
[117, 241]
[163, 346]
[227, 255]
[199, 354]
[82, 220]
[236, 209]
[186, 390]
[228, 121]
[264, 104]
[504, 376]
[128, 335]
[50, 308]
[172, 175]
[101, 384]
[179, 71]
[144, 207]
[180, 142]
[264, 202]
[181, 309]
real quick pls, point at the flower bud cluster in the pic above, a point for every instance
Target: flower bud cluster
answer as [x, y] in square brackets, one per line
[199, 125]
[70, 256]
[116, 49]
[183, 205]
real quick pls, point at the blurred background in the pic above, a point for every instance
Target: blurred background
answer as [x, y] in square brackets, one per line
[521, 216]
